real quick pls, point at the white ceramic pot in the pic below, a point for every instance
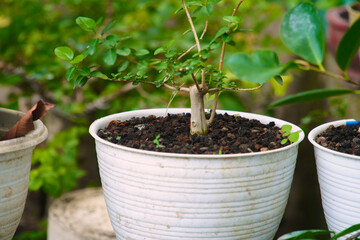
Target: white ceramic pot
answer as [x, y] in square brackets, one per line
[15, 163]
[339, 179]
[151, 195]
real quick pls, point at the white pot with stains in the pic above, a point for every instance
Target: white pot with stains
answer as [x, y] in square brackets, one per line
[168, 196]
[339, 180]
[15, 163]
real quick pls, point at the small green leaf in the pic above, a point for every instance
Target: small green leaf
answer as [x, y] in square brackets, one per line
[64, 53]
[123, 66]
[286, 128]
[348, 46]
[110, 57]
[206, 10]
[84, 71]
[87, 24]
[78, 80]
[124, 51]
[279, 80]
[98, 74]
[70, 73]
[142, 52]
[226, 38]
[108, 27]
[259, 67]
[304, 234]
[123, 38]
[159, 50]
[232, 19]
[77, 59]
[348, 230]
[219, 33]
[110, 41]
[284, 141]
[293, 137]
[311, 95]
[302, 32]
[93, 46]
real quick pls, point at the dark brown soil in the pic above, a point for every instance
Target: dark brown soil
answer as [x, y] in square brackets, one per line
[345, 139]
[228, 134]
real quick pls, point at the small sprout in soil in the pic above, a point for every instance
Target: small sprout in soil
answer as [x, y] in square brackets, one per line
[109, 138]
[118, 138]
[289, 136]
[220, 152]
[156, 141]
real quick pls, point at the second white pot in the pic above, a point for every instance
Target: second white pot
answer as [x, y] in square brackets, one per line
[339, 180]
[168, 196]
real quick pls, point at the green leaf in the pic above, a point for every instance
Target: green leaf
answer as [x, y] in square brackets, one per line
[348, 46]
[304, 234]
[302, 32]
[123, 66]
[93, 46]
[159, 50]
[108, 27]
[232, 19]
[226, 38]
[110, 41]
[124, 51]
[348, 230]
[87, 24]
[219, 33]
[110, 57]
[206, 10]
[284, 141]
[70, 73]
[286, 128]
[311, 95]
[84, 71]
[78, 80]
[279, 80]
[77, 59]
[98, 74]
[142, 52]
[64, 53]
[294, 136]
[259, 67]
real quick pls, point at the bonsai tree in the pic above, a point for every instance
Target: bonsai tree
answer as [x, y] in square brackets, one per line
[189, 70]
[180, 70]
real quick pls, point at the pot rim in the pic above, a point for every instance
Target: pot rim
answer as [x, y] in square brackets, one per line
[314, 132]
[102, 122]
[33, 138]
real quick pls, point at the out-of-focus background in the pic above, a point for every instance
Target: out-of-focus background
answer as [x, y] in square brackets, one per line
[29, 71]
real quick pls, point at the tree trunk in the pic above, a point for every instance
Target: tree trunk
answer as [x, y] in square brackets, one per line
[198, 123]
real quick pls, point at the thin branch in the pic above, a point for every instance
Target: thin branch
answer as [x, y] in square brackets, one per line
[213, 110]
[224, 44]
[181, 89]
[196, 83]
[236, 89]
[192, 26]
[194, 46]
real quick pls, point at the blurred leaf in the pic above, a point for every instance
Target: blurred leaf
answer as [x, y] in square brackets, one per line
[64, 53]
[302, 32]
[159, 50]
[98, 74]
[123, 66]
[124, 51]
[348, 230]
[311, 95]
[87, 24]
[110, 41]
[70, 73]
[110, 57]
[77, 59]
[259, 67]
[232, 19]
[93, 46]
[304, 235]
[348, 46]
[84, 71]
[108, 27]
[142, 52]
[219, 33]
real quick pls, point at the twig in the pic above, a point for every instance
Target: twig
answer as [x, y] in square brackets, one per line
[213, 110]
[192, 26]
[224, 44]
[194, 46]
[196, 83]
[236, 89]
[181, 89]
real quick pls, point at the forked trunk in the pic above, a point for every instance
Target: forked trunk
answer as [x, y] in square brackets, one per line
[198, 122]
